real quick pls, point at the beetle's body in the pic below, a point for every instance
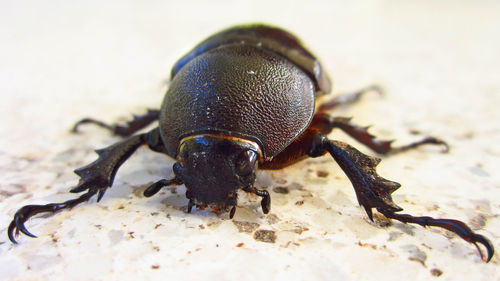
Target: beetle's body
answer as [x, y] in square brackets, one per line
[265, 96]
[234, 103]
[245, 98]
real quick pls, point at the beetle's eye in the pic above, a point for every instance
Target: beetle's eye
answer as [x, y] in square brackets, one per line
[245, 163]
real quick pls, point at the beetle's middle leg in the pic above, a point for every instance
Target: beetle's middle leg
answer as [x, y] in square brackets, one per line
[361, 134]
[95, 178]
[130, 127]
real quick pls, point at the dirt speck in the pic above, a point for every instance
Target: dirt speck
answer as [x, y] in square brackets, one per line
[295, 186]
[155, 266]
[299, 229]
[436, 272]
[414, 132]
[431, 208]
[417, 260]
[294, 226]
[426, 246]
[393, 235]
[54, 238]
[268, 236]
[482, 205]
[299, 203]
[408, 229]
[245, 226]
[239, 245]
[272, 219]
[138, 191]
[280, 181]
[290, 243]
[281, 189]
[478, 222]
[368, 245]
[468, 135]
[479, 171]
[415, 254]
[12, 189]
[322, 174]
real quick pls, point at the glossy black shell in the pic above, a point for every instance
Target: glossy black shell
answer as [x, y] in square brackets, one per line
[271, 38]
[242, 82]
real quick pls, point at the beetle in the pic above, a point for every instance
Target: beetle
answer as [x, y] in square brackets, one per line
[246, 98]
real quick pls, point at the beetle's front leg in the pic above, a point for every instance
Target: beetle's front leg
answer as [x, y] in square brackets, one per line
[130, 127]
[95, 178]
[265, 203]
[373, 191]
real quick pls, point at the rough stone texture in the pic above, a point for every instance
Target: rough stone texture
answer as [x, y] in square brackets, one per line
[61, 61]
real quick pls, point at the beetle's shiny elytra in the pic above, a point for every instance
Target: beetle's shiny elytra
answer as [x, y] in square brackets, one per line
[241, 100]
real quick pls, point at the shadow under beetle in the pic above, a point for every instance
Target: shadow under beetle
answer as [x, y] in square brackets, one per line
[246, 98]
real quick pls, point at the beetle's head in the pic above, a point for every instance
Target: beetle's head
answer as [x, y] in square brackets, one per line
[214, 167]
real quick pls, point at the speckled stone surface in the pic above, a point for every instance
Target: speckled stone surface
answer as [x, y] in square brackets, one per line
[438, 61]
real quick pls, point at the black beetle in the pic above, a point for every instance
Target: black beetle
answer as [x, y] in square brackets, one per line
[246, 98]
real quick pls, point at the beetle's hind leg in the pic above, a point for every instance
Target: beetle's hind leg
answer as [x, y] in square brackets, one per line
[361, 134]
[95, 178]
[349, 98]
[130, 127]
[373, 191]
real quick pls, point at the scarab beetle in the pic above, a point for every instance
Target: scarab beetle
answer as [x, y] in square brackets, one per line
[244, 99]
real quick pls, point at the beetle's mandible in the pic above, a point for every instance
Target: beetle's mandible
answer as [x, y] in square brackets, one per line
[244, 99]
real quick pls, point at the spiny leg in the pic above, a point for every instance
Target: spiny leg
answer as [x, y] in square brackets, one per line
[95, 178]
[348, 98]
[456, 226]
[23, 214]
[373, 191]
[139, 122]
[361, 134]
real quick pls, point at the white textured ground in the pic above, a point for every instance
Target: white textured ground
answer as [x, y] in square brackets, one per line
[64, 60]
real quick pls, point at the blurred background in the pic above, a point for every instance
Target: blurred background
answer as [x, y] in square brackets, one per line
[61, 61]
